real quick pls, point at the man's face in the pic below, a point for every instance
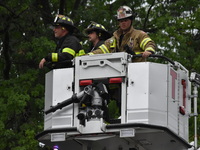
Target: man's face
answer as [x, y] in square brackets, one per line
[92, 36]
[125, 24]
[59, 31]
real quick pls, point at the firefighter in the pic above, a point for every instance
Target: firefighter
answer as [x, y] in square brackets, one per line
[97, 34]
[127, 39]
[68, 46]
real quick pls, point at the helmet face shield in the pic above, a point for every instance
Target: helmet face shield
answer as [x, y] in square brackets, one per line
[61, 19]
[92, 25]
[56, 18]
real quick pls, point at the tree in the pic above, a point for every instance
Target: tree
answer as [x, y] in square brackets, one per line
[25, 38]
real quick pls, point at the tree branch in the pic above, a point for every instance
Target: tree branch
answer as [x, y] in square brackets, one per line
[45, 11]
[76, 6]
[147, 16]
[12, 13]
[6, 54]
[62, 7]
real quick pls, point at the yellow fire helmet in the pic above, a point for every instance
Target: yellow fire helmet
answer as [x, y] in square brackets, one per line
[100, 29]
[65, 22]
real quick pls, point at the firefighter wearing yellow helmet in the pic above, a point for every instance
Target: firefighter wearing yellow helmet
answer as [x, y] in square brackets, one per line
[127, 38]
[68, 46]
[97, 34]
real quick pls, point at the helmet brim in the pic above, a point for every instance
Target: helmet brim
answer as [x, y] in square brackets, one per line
[106, 34]
[68, 26]
[86, 31]
[130, 17]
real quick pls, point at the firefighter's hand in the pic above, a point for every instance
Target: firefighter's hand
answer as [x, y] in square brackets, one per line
[146, 54]
[41, 64]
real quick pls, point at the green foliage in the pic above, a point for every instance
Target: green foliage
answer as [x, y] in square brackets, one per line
[21, 111]
[113, 110]
[25, 38]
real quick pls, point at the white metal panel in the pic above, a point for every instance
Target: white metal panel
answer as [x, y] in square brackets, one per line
[62, 85]
[48, 89]
[147, 93]
[185, 104]
[59, 88]
[137, 90]
[173, 100]
[101, 65]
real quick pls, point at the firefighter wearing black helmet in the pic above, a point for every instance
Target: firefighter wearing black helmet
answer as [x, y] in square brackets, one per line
[127, 39]
[68, 46]
[97, 34]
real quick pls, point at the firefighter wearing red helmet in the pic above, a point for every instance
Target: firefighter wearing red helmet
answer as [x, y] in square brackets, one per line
[68, 46]
[127, 38]
[97, 34]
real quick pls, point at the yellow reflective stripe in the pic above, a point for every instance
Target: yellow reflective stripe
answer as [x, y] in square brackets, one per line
[69, 50]
[54, 57]
[138, 53]
[81, 52]
[90, 53]
[144, 42]
[149, 49]
[113, 44]
[104, 49]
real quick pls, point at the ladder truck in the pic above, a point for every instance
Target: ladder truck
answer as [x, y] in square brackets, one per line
[154, 102]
